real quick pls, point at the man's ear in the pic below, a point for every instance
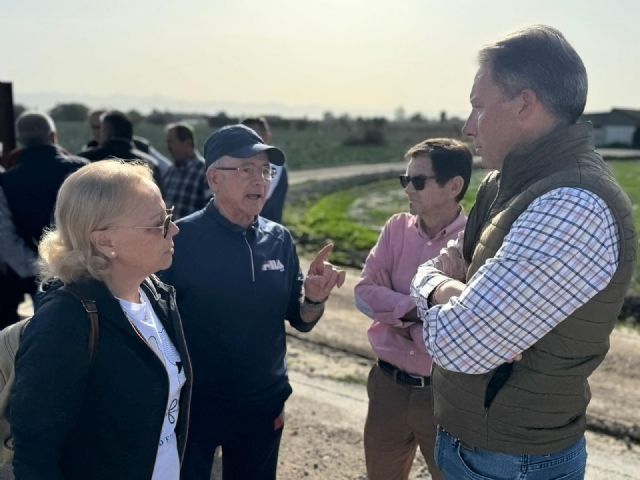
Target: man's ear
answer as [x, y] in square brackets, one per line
[455, 185]
[212, 179]
[103, 242]
[528, 104]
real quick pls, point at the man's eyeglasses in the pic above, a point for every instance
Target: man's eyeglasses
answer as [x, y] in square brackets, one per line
[418, 181]
[166, 223]
[250, 171]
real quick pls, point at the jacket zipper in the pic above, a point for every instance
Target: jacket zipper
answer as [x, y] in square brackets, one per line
[253, 270]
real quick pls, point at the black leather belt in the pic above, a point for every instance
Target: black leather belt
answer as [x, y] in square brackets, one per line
[400, 376]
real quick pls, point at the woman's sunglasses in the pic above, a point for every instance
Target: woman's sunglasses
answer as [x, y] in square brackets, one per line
[166, 224]
[418, 181]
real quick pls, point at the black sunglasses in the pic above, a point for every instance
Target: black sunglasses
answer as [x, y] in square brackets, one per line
[418, 181]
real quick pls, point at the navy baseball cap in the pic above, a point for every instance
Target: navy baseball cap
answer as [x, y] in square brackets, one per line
[238, 141]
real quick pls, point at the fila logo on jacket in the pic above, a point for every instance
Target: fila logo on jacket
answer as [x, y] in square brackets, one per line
[275, 265]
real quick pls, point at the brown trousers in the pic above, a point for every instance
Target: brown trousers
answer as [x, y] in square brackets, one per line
[400, 418]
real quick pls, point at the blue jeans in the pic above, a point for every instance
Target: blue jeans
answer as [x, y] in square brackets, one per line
[457, 462]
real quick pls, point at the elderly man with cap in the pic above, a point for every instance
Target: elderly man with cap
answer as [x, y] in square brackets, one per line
[237, 278]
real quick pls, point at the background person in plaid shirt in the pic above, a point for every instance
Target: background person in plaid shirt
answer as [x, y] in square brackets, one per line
[185, 183]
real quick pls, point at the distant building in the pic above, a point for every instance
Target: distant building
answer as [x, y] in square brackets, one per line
[618, 128]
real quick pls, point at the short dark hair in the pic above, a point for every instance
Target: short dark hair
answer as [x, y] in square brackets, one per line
[449, 158]
[541, 59]
[118, 125]
[183, 131]
[258, 124]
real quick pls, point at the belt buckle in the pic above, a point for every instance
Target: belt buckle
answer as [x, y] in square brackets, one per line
[419, 378]
[396, 372]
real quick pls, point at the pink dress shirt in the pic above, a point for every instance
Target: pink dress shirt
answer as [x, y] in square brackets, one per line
[401, 249]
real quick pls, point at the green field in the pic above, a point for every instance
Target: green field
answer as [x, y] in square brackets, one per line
[628, 174]
[353, 217]
[319, 144]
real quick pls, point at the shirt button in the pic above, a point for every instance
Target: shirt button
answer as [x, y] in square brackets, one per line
[412, 352]
[428, 244]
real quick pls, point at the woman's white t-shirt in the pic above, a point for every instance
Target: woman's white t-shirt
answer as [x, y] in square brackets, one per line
[146, 322]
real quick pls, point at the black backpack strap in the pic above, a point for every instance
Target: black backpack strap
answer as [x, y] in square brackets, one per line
[92, 311]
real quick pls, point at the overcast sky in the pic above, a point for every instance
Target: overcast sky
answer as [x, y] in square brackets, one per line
[295, 56]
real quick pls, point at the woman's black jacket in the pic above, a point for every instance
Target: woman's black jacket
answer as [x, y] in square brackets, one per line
[77, 416]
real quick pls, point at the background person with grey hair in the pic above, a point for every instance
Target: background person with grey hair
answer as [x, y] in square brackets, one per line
[550, 248]
[30, 190]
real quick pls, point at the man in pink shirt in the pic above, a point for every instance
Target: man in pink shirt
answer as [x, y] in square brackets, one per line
[400, 416]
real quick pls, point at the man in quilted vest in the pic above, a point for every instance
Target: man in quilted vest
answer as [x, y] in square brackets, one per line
[550, 249]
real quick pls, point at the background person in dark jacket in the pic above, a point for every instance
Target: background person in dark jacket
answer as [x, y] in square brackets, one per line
[140, 143]
[116, 141]
[30, 189]
[119, 410]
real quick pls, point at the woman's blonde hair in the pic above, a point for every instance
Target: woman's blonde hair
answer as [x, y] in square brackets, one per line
[88, 200]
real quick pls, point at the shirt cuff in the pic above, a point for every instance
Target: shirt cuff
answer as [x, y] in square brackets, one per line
[402, 308]
[424, 283]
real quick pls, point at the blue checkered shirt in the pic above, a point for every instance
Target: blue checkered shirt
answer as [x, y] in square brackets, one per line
[185, 187]
[560, 252]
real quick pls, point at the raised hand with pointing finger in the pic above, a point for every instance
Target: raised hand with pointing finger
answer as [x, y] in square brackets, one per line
[321, 279]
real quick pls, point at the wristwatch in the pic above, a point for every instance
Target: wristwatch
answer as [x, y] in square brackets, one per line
[314, 305]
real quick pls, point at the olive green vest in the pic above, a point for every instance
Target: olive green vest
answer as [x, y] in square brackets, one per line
[537, 405]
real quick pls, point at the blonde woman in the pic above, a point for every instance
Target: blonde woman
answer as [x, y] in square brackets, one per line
[117, 409]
